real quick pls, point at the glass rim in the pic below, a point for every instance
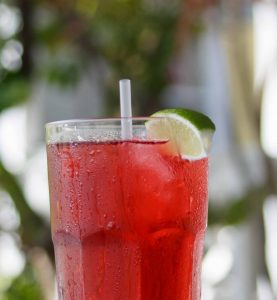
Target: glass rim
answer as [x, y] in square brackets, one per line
[76, 122]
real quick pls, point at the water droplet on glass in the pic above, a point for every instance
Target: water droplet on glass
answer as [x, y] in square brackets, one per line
[110, 225]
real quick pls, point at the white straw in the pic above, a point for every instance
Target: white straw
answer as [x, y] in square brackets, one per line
[125, 108]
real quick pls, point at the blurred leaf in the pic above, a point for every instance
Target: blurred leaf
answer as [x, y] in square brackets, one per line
[50, 35]
[63, 74]
[234, 213]
[13, 91]
[237, 211]
[24, 287]
[87, 7]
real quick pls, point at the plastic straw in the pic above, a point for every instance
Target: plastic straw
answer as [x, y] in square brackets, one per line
[125, 109]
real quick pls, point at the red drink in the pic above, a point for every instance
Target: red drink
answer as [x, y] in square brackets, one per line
[128, 220]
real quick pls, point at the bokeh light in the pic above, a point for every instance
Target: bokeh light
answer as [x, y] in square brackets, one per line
[10, 21]
[10, 56]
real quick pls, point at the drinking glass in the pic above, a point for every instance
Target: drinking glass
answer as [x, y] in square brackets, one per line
[128, 217]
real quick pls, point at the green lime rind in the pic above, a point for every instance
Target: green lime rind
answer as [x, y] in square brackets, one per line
[199, 120]
[189, 132]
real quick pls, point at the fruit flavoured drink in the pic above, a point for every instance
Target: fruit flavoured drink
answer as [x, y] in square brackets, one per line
[128, 220]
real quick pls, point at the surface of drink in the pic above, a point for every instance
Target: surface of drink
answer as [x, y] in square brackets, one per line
[128, 220]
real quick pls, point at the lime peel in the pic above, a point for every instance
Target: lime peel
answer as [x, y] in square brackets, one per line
[189, 132]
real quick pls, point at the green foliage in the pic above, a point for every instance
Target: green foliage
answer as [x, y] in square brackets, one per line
[137, 41]
[14, 90]
[64, 74]
[50, 35]
[135, 38]
[237, 211]
[24, 287]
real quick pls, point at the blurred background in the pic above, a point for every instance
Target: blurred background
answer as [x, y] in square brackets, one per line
[62, 59]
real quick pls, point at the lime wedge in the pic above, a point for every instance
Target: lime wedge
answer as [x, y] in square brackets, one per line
[189, 132]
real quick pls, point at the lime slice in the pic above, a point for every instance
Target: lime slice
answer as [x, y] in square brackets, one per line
[189, 132]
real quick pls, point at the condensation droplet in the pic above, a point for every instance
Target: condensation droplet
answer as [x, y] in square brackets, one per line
[110, 225]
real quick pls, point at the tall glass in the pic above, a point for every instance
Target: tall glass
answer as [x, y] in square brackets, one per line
[128, 217]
